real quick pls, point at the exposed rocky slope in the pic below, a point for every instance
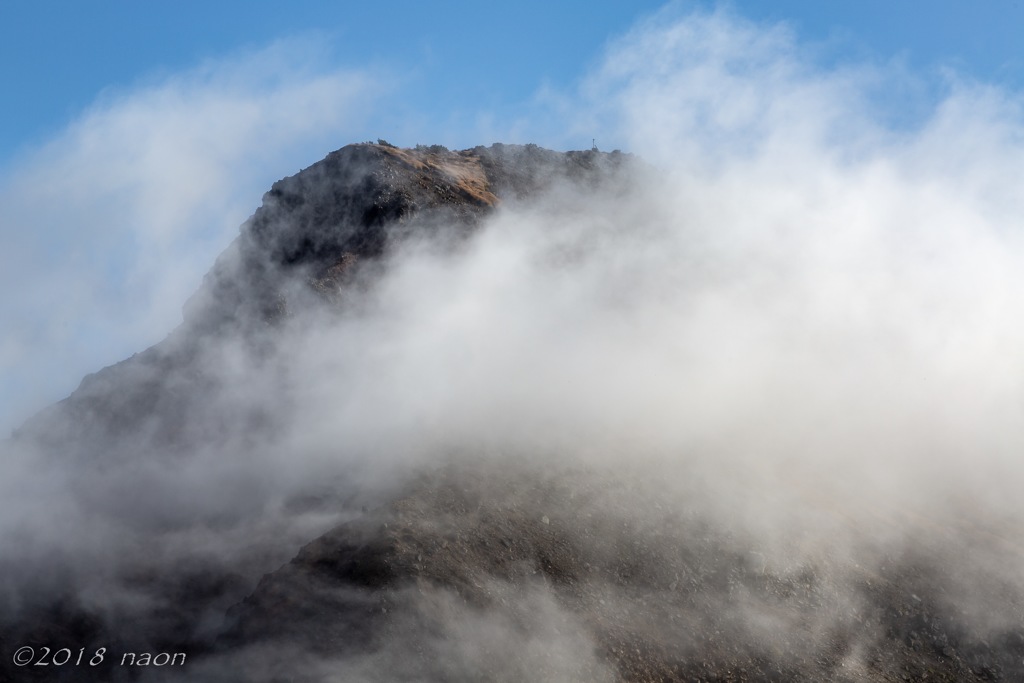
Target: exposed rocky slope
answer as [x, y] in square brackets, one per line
[470, 569]
[641, 595]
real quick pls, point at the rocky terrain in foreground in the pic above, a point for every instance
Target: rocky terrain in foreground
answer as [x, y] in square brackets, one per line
[460, 567]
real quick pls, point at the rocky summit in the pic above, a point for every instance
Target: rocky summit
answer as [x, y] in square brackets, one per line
[211, 511]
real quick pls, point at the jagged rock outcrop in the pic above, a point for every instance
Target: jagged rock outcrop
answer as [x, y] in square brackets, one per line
[333, 217]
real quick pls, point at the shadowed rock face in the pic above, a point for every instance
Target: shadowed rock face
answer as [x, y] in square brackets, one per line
[472, 569]
[347, 209]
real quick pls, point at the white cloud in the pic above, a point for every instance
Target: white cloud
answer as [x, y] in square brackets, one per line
[109, 226]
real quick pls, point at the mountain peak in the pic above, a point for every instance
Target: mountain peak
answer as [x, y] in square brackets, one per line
[351, 206]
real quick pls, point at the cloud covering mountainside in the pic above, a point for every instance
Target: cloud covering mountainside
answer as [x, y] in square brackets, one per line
[746, 410]
[523, 415]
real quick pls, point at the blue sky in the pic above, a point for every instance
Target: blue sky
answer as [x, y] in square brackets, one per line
[451, 58]
[136, 137]
[454, 59]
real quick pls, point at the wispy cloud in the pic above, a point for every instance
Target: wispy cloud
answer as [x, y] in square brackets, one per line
[109, 226]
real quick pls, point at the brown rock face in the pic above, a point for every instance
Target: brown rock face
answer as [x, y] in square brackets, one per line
[348, 209]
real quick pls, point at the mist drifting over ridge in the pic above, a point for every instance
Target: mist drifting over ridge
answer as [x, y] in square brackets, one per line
[763, 392]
